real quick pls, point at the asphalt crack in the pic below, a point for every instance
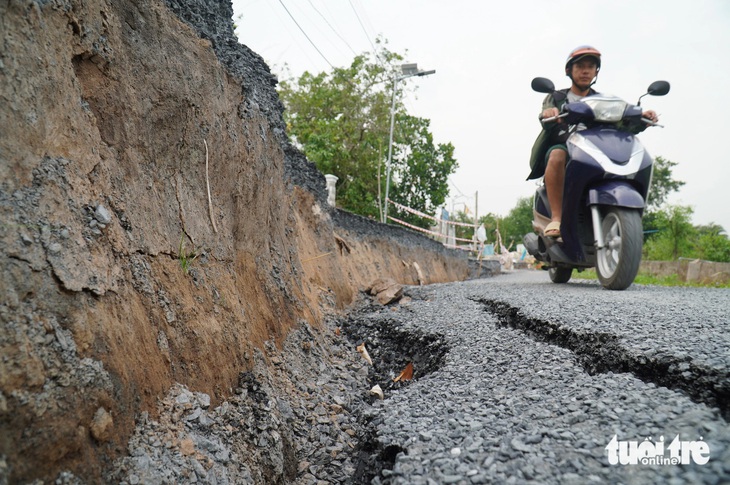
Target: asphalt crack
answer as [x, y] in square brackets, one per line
[392, 345]
[601, 352]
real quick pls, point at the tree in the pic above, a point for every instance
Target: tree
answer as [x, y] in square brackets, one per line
[466, 217]
[517, 223]
[675, 234]
[712, 244]
[662, 183]
[341, 121]
[421, 169]
[491, 222]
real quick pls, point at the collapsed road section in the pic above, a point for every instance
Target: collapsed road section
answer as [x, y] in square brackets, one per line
[603, 352]
[507, 406]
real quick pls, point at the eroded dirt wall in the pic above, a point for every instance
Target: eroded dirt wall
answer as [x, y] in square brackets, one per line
[119, 274]
[107, 111]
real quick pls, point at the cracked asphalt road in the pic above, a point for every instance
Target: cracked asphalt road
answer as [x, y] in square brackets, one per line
[538, 379]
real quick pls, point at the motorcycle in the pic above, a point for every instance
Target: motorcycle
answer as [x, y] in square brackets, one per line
[607, 180]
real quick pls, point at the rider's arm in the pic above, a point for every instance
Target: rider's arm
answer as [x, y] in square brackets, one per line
[549, 108]
[636, 124]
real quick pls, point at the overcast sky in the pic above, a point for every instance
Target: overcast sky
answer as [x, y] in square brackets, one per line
[486, 53]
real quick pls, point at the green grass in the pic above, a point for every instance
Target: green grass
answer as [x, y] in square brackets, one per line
[186, 258]
[648, 279]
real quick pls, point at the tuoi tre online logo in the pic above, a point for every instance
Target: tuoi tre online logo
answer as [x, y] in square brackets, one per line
[649, 452]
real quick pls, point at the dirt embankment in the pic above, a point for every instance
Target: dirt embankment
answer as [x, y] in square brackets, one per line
[119, 274]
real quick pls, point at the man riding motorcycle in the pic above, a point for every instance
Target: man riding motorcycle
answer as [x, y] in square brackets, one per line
[549, 154]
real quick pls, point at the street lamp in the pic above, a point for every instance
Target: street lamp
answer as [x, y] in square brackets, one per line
[407, 70]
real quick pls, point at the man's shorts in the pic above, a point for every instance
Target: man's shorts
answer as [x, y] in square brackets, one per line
[554, 147]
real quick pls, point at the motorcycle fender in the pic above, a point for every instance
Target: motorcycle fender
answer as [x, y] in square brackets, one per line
[615, 193]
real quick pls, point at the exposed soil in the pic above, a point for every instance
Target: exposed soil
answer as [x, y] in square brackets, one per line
[121, 279]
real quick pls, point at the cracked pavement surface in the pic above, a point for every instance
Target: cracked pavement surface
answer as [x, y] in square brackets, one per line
[538, 378]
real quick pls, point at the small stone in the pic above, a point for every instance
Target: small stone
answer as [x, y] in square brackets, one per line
[533, 439]
[204, 420]
[447, 479]
[101, 425]
[54, 248]
[102, 214]
[204, 400]
[194, 415]
[520, 446]
[187, 447]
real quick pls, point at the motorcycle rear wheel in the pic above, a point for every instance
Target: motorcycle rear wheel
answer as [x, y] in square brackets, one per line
[560, 275]
[618, 261]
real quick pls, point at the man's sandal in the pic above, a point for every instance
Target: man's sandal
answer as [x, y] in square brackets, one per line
[552, 229]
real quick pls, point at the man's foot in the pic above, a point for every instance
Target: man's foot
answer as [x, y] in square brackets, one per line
[552, 229]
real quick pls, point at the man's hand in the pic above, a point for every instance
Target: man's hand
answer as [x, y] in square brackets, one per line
[650, 115]
[549, 113]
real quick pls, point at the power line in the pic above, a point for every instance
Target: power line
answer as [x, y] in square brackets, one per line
[363, 27]
[305, 34]
[333, 29]
[457, 188]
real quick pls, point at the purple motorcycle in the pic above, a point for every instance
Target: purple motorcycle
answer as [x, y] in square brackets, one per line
[607, 181]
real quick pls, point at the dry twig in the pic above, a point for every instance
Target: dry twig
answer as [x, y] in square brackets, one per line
[207, 184]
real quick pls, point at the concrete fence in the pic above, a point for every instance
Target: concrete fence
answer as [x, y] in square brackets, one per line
[689, 270]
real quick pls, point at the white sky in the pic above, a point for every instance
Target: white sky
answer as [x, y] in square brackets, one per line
[485, 54]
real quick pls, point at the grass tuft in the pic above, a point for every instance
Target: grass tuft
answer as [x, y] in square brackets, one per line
[649, 279]
[186, 258]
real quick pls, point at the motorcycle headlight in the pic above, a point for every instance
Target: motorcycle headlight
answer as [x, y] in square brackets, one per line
[606, 109]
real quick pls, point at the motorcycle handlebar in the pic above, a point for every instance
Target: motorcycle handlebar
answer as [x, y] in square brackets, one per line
[651, 123]
[563, 115]
[553, 118]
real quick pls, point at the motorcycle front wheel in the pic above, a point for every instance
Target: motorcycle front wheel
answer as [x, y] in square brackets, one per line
[618, 261]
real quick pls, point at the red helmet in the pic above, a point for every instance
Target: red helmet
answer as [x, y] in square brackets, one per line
[579, 53]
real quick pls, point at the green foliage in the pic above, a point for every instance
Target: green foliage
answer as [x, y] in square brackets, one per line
[675, 236]
[512, 227]
[491, 222]
[712, 244]
[517, 223]
[341, 121]
[662, 183]
[186, 257]
[467, 218]
[670, 231]
[650, 279]
[422, 170]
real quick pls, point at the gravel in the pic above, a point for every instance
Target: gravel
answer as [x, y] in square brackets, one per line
[504, 390]
[292, 419]
[515, 403]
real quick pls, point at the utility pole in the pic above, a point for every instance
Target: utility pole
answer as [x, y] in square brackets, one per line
[408, 70]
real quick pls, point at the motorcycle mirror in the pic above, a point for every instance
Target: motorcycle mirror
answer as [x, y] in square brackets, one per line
[658, 88]
[543, 85]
